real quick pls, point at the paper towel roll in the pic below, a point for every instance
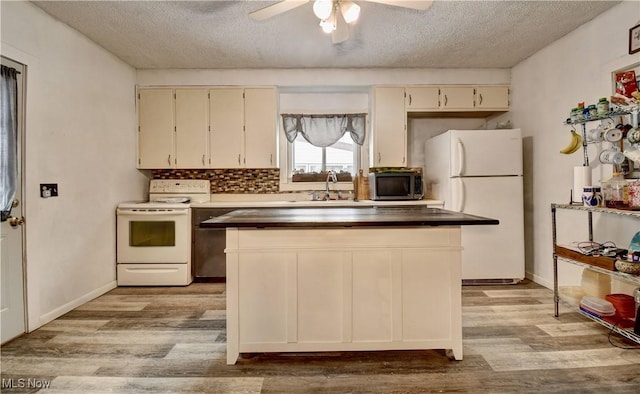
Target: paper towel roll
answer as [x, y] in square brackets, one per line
[581, 178]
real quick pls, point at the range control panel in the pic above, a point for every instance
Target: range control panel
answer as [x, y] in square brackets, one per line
[191, 186]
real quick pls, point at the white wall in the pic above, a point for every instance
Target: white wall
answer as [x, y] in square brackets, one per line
[544, 88]
[80, 133]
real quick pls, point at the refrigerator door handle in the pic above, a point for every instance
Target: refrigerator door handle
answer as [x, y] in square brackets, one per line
[457, 195]
[460, 156]
[461, 195]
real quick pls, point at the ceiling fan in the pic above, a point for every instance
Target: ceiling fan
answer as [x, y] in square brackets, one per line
[334, 15]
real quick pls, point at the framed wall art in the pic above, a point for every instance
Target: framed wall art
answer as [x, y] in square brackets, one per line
[634, 39]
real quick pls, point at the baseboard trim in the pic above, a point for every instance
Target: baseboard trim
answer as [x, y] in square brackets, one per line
[54, 314]
[539, 280]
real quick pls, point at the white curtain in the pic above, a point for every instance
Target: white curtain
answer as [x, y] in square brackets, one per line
[324, 130]
[8, 140]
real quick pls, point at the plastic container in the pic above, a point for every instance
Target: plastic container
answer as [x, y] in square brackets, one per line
[624, 304]
[597, 306]
[571, 294]
[595, 284]
[634, 193]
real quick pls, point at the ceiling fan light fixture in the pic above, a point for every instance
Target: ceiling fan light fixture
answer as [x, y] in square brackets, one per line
[350, 11]
[328, 25]
[323, 9]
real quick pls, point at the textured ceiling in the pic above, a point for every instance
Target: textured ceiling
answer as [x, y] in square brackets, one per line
[220, 34]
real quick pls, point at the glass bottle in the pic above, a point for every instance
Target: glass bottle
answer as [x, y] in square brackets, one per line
[614, 192]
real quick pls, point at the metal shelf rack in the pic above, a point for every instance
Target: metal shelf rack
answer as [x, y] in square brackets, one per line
[621, 275]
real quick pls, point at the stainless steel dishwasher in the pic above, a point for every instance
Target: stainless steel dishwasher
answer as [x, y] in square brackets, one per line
[207, 250]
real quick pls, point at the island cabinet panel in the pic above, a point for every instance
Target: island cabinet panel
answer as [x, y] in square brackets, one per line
[305, 289]
[321, 296]
[263, 310]
[373, 296]
[423, 276]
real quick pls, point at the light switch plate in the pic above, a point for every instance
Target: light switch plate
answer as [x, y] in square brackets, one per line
[48, 190]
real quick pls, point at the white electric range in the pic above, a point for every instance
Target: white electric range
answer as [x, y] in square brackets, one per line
[154, 237]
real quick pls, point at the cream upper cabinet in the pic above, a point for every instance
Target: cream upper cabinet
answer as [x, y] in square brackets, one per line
[260, 124]
[389, 142]
[155, 128]
[457, 98]
[226, 109]
[243, 127]
[492, 97]
[422, 98]
[192, 128]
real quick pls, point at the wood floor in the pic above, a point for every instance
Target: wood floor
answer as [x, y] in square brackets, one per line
[172, 340]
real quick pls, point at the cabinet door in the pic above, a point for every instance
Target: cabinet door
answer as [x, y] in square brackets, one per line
[155, 128]
[226, 112]
[422, 98]
[260, 127]
[456, 97]
[192, 128]
[389, 128]
[492, 97]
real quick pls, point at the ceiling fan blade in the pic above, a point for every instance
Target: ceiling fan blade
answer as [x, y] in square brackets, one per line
[341, 33]
[416, 4]
[276, 9]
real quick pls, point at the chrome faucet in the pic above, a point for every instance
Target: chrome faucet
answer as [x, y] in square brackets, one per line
[331, 175]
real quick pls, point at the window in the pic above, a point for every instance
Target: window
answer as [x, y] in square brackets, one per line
[331, 150]
[339, 157]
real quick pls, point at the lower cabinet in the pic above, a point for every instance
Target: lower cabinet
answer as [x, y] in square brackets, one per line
[339, 289]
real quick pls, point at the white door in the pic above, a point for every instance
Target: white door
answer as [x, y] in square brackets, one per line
[12, 311]
[486, 152]
[492, 251]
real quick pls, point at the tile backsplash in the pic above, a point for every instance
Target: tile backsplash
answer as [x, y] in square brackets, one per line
[241, 180]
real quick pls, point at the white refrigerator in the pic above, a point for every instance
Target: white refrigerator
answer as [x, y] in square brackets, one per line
[480, 172]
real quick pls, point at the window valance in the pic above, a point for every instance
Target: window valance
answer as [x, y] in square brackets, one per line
[324, 130]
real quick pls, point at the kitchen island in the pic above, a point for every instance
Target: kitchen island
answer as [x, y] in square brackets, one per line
[343, 279]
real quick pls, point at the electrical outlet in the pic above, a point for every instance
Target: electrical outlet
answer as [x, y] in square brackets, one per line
[48, 190]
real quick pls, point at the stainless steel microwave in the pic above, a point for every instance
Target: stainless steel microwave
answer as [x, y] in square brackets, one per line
[395, 185]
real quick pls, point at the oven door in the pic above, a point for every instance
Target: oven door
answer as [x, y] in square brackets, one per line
[153, 236]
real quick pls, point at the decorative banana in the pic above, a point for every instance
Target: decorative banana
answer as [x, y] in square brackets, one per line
[574, 145]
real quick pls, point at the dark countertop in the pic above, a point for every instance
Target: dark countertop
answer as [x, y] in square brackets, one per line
[398, 216]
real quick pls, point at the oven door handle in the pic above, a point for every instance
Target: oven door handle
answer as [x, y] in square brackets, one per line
[177, 212]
